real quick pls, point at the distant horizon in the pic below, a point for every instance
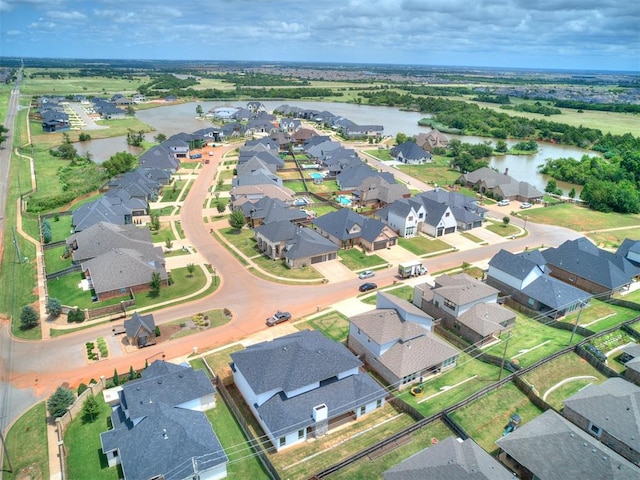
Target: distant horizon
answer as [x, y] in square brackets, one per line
[507, 34]
[98, 60]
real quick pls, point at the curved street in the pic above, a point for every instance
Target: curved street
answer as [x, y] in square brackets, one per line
[30, 371]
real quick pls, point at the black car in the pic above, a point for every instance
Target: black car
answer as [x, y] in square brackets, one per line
[277, 318]
[365, 287]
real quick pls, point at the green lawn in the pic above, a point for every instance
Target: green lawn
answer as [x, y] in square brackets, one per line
[321, 209]
[84, 452]
[484, 419]
[355, 259]
[367, 468]
[163, 234]
[613, 238]
[422, 245]
[53, 259]
[381, 154]
[280, 269]
[60, 229]
[296, 185]
[26, 443]
[405, 292]
[579, 218]
[437, 172]
[531, 341]
[242, 460]
[499, 228]
[561, 368]
[333, 325]
[241, 239]
[474, 373]
[599, 316]
[170, 193]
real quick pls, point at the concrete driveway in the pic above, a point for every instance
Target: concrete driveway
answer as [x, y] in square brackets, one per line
[334, 271]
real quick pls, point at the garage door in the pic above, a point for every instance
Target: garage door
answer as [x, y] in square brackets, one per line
[449, 230]
[379, 245]
[317, 259]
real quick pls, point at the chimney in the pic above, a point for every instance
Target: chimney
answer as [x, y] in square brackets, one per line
[506, 171]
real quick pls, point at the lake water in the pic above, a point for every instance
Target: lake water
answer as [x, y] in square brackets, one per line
[182, 118]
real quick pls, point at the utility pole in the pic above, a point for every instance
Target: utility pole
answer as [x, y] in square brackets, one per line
[575, 325]
[6, 451]
[504, 354]
[15, 242]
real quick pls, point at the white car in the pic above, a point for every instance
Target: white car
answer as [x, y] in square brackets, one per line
[525, 205]
[367, 274]
[503, 203]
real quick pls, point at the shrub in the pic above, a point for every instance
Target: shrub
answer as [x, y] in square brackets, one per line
[81, 388]
[61, 399]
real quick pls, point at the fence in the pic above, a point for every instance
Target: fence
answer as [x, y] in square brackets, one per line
[72, 412]
[254, 442]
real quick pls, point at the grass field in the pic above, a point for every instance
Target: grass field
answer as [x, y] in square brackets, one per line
[437, 172]
[599, 315]
[422, 245]
[82, 440]
[356, 259]
[333, 325]
[81, 85]
[580, 219]
[561, 368]
[405, 292]
[485, 419]
[27, 447]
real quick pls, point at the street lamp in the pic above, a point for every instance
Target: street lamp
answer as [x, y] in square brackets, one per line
[575, 325]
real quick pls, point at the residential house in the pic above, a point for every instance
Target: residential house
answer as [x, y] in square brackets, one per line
[348, 229]
[500, 185]
[300, 136]
[523, 279]
[107, 110]
[242, 115]
[396, 342]
[223, 113]
[302, 385]
[630, 358]
[251, 193]
[450, 459]
[290, 125]
[269, 210]
[411, 154]
[298, 246]
[178, 147]
[378, 192]
[610, 412]
[159, 157]
[353, 131]
[580, 263]
[630, 249]
[256, 107]
[55, 120]
[432, 140]
[123, 270]
[102, 237]
[357, 172]
[550, 447]
[409, 216]
[465, 306]
[160, 429]
[140, 330]
[466, 210]
[101, 210]
[258, 177]
[233, 130]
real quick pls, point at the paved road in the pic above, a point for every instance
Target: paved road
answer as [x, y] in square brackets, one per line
[32, 370]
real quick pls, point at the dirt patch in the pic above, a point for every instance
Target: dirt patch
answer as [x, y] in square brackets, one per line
[166, 331]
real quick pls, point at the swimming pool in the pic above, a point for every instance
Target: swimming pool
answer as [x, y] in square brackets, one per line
[343, 200]
[316, 176]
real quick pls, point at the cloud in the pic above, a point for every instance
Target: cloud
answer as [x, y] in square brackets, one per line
[66, 15]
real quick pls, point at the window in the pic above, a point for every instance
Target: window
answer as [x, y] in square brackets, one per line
[421, 215]
[300, 434]
[596, 430]
[449, 361]
[359, 332]
[410, 219]
[447, 214]
[379, 403]
[283, 441]
[449, 304]
[363, 410]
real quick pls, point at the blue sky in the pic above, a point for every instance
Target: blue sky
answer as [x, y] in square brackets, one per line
[566, 34]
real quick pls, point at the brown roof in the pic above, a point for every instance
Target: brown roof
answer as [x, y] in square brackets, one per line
[405, 358]
[385, 325]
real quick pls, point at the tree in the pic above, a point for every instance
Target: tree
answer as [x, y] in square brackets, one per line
[84, 137]
[236, 219]
[54, 307]
[67, 150]
[220, 206]
[199, 110]
[506, 220]
[191, 268]
[75, 315]
[116, 377]
[131, 111]
[168, 243]
[90, 408]
[159, 138]
[155, 284]
[552, 187]
[29, 317]
[61, 399]
[132, 373]
[401, 138]
[121, 162]
[3, 130]
[572, 193]
[501, 146]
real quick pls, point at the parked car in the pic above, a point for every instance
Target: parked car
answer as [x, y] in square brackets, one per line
[503, 203]
[277, 318]
[367, 274]
[525, 205]
[365, 287]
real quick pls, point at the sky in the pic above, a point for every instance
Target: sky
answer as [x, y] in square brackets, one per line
[554, 34]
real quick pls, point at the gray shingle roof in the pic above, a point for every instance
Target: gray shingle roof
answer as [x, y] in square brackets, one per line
[102, 237]
[462, 289]
[384, 325]
[450, 459]
[133, 325]
[341, 223]
[554, 293]
[308, 243]
[614, 406]
[486, 318]
[587, 261]
[293, 361]
[555, 449]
